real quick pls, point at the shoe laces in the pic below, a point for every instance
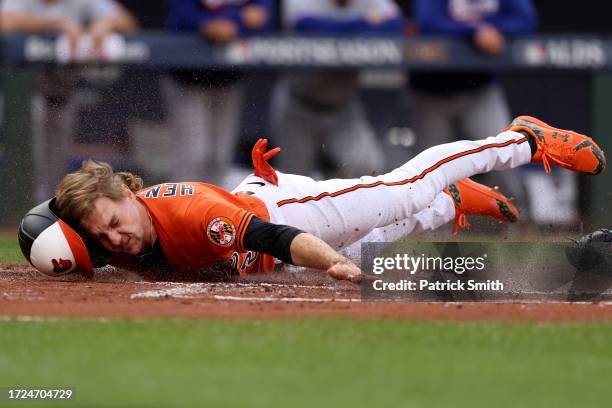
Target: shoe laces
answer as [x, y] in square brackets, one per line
[547, 158]
[461, 221]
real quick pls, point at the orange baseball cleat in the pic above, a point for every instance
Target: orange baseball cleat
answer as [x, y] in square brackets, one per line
[471, 197]
[564, 148]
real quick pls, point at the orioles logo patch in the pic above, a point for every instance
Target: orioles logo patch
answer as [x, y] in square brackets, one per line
[62, 265]
[221, 231]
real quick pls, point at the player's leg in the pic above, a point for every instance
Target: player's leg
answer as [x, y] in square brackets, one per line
[190, 122]
[296, 129]
[484, 113]
[379, 199]
[342, 211]
[432, 118]
[340, 229]
[53, 113]
[465, 197]
[352, 143]
[313, 219]
[440, 212]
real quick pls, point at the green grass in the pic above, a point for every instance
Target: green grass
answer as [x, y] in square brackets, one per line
[306, 363]
[9, 249]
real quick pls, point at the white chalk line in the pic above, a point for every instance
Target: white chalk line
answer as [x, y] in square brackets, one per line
[172, 292]
[191, 290]
[50, 319]
[284, 299]
[187, 290]
[349, 300]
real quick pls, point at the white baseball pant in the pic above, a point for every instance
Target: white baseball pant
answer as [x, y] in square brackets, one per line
[387, 207]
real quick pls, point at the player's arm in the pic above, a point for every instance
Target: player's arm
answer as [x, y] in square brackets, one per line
[362, 25]
[296, 247]
[516, 17]
[432, 17]
[12, 22]
[219, 25]
[118, 20]
[381, 18]
[312, 252]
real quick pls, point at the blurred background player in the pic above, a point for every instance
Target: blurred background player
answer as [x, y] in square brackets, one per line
[449, 105]
[83, 25]
[204, 105]
[319, 113]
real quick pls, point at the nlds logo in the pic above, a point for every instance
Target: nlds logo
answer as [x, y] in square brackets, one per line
[564, 53]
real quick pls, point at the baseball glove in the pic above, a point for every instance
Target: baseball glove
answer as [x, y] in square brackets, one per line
[593, 252]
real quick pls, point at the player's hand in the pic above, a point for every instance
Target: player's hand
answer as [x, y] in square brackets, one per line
[260, 159]
[489, 40]
[375, 17]
[345, 270]
[98, 33]
[219, 30]
[254, 16]
[73, 31]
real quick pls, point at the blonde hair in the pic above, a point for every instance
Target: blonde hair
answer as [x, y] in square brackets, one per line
[78, 191]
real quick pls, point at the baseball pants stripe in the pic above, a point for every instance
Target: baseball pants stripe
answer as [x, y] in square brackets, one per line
[401, 182]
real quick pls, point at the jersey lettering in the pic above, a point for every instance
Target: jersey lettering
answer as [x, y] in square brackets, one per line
[153, 192]
[229, 266]
[170, 190]
[186, 190]
[234, 263]
[249, 259]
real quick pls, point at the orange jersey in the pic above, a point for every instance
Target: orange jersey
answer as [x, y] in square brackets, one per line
[201, 227]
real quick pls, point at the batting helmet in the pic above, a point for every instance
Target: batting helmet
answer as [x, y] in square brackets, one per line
[51, 245]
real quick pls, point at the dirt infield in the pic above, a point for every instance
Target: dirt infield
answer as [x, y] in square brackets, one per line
[285, 295]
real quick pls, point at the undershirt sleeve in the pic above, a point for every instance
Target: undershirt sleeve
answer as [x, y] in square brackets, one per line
[272, 239]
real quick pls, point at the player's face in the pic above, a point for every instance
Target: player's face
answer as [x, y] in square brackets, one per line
[120, 226]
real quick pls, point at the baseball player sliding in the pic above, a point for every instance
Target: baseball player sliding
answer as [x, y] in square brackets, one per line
[194, 227]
